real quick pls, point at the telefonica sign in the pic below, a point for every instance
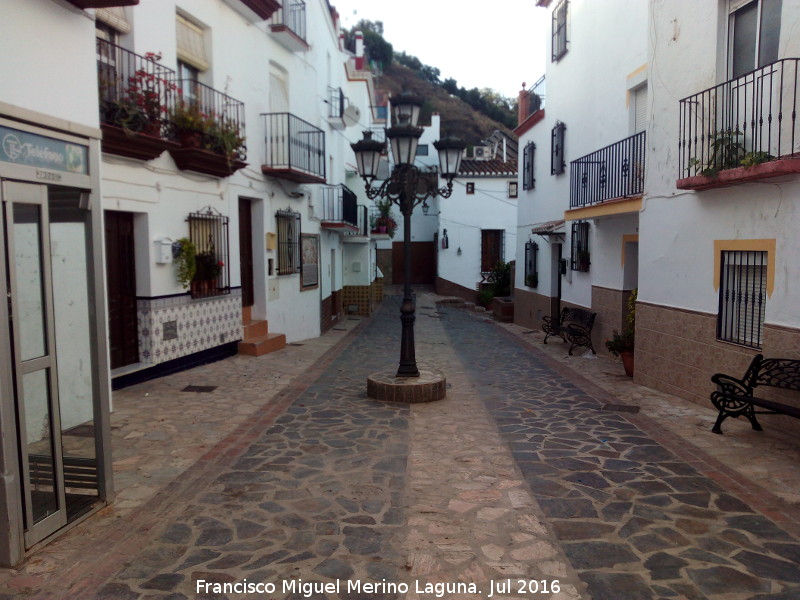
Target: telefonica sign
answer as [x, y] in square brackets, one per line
[23, 148]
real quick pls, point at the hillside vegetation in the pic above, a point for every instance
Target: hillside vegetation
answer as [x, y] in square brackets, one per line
[473, 115]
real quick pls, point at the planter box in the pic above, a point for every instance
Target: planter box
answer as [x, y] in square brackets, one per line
[503, 309]
[132, 144]
[205, 161]
[774, 168]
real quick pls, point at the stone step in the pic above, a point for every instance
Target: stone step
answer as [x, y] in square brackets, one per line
[255, 329]
[262, 345]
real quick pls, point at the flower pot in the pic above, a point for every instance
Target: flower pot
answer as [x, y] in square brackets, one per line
[190, 139]
[627, 362]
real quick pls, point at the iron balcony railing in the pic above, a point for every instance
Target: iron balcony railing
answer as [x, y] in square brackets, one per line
[293, 16]
[362, 222]
[339, 205]
[135, 92]
[616, 171]
[743, 122]
[294, 144]
[536, 96]
[336, 103]
[210, 115]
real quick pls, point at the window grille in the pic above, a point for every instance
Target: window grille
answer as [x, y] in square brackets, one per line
[557, 161]
[560, 30]
[513, 189]
[289, 260]
[492, 248]
[579, 248]
[528, 180]
[208, 231]
[532, 264]
[742, 297]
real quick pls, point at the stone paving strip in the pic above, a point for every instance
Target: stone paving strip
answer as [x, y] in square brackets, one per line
[288, 472]
[634, 519]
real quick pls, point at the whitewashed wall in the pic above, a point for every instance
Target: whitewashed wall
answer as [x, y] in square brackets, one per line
[587, 90]
[678, 227]
[464, 216]
[67, 93]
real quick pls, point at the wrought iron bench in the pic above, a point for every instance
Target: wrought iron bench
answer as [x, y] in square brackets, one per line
[574, 326]
[735, 397]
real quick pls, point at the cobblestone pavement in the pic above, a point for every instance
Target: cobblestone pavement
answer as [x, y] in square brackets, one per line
[295, 475]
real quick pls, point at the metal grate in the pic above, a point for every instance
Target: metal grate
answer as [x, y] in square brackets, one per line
[531, 264]
[289, 257]
[557, 161]
[528, 154]
[742, 297]
[560, 30]
[579, 247]
[208, 231]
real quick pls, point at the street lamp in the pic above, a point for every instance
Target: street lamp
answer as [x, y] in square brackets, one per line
[407, 186]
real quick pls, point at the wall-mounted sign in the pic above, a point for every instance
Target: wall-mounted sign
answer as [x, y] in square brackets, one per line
[24, 148]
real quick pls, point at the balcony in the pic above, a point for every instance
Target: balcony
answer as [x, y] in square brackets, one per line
[84, 4]
[295, 149]
[134, 94]
[742, 130]
[530, 106]
[338, 208]
[615, 172]
[255, 10]
[336, 105]
[209, 126]
[288, 25]
[361, 235]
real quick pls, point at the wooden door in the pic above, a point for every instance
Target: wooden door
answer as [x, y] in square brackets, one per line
[246, 251]
[423, 262]
[121, 278]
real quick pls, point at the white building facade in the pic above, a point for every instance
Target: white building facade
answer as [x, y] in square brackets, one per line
[720, 218]
[581, 165]
[478, 222]
[216, 130]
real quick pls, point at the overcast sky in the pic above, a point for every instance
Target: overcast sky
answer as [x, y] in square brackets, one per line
[497, 44]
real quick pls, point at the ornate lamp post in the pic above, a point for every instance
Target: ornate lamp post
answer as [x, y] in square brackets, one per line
[407, 186]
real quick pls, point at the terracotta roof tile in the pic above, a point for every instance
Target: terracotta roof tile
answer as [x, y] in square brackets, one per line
[488, 168]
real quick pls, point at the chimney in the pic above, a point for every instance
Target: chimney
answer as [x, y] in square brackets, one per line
[522, 105]
[359, 51]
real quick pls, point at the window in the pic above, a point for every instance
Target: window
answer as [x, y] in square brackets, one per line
[189, 77]
[288, 223]
[557, 163]
[742, 297]
[471, 187]
[512, 189]
[422, 150]
[531, 264]
[191, 45]
[528, 180]
[492, 251]
[639, 108]
[208, 231]
[560, 30]
[754, 28]
[579, 249]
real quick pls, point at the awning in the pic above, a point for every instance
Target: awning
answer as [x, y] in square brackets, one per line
[549, 228]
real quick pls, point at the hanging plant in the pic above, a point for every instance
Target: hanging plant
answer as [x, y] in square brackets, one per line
[185, 258]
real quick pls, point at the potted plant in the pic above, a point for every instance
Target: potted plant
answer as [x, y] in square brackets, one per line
[225, 138]
[622, 343]
[385, 222]
[184, 254]
[190, 123]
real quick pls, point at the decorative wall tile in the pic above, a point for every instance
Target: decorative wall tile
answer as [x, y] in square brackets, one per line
[201, 324]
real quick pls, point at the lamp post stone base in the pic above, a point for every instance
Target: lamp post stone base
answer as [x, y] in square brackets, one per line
[386, 386]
